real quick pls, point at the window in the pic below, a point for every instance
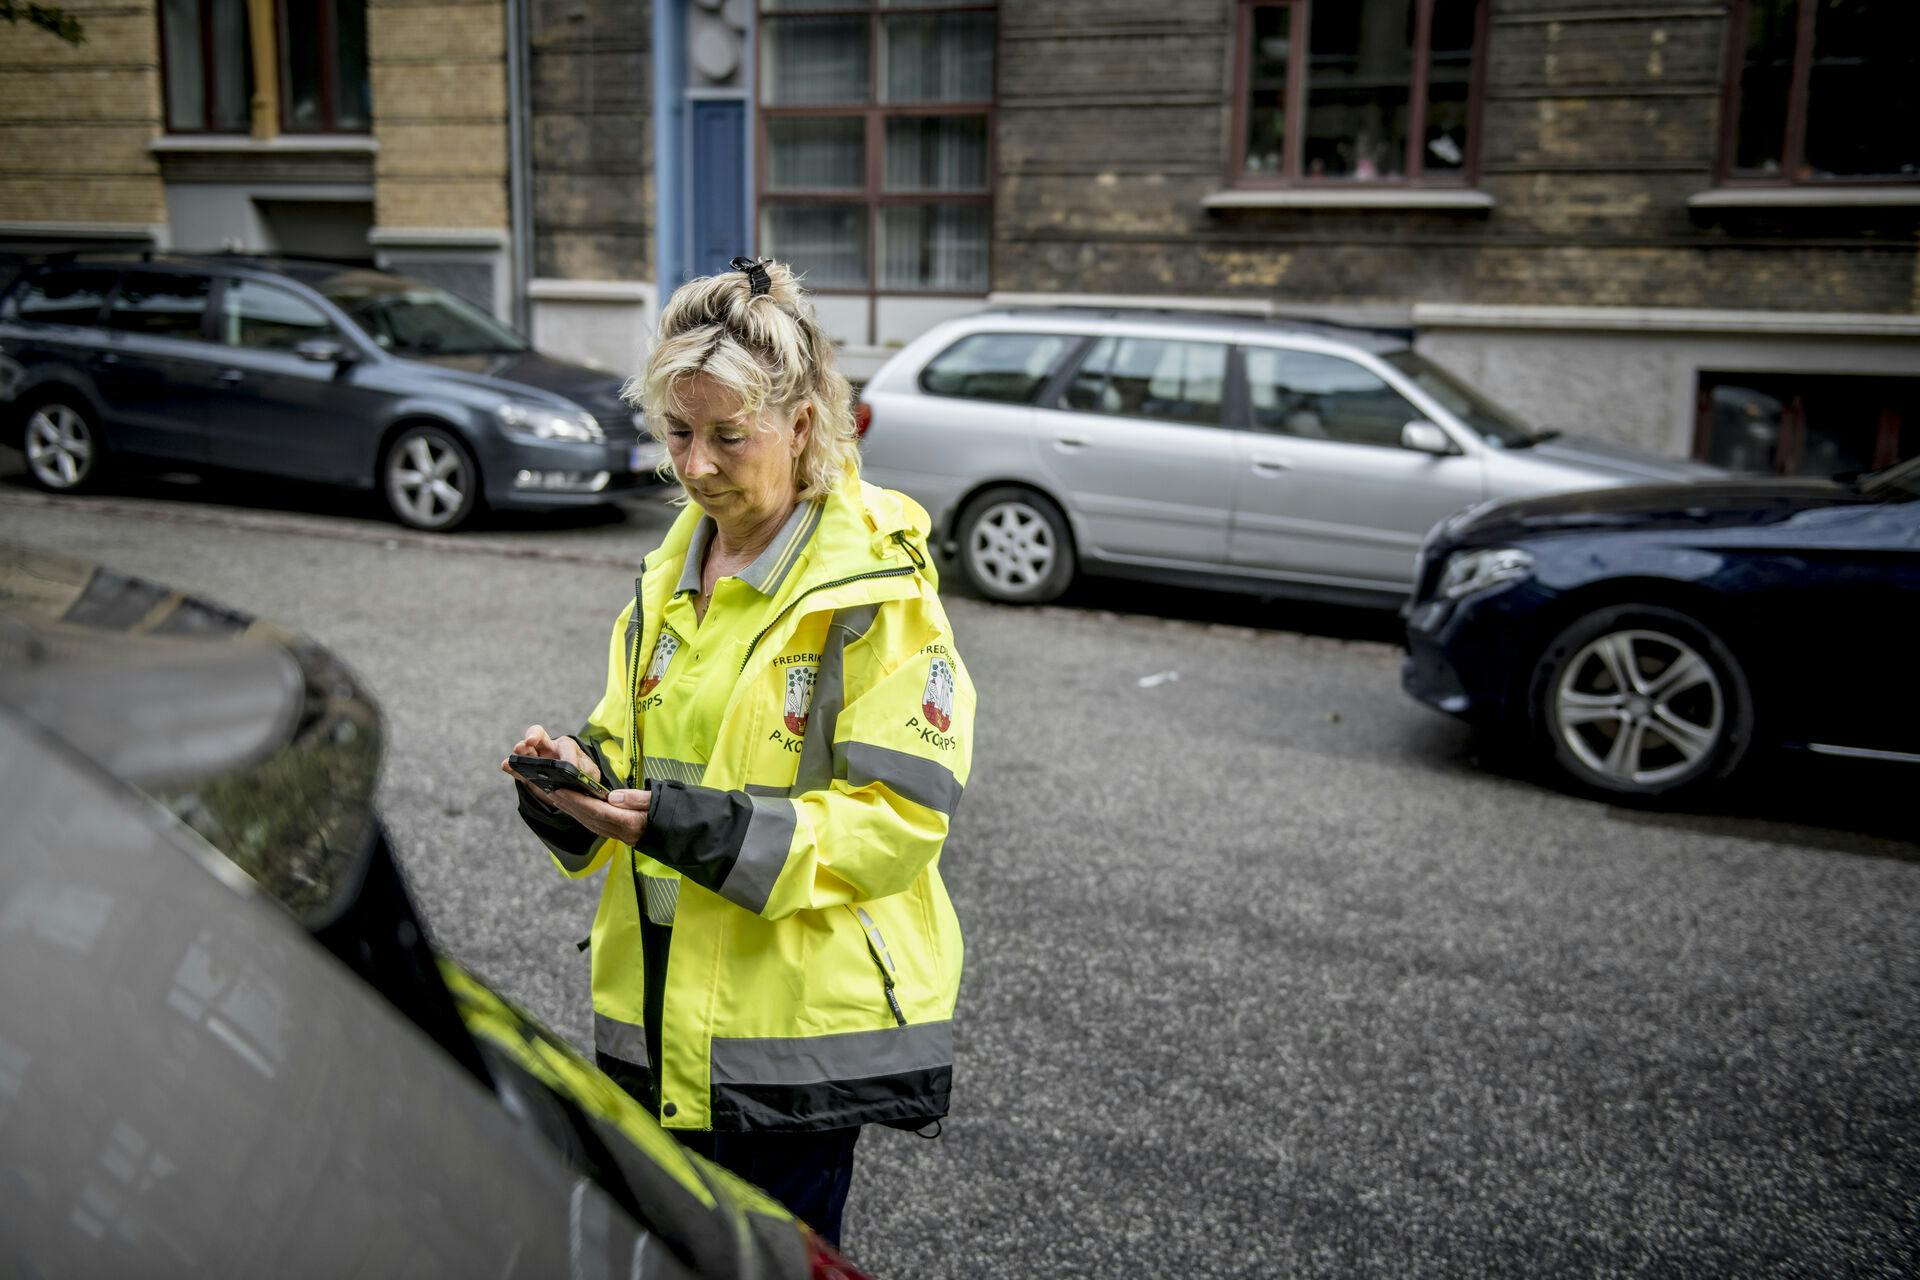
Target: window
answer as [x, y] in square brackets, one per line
[1322, 397]
[1806, 425]
[209, 65]
[413, 318]
[160, 304]
[1151, 378]
[324, 86]
[268, 319]
[1821, 91]
[875, 127]
[995, 366]
[64, 295]
[1356, 91]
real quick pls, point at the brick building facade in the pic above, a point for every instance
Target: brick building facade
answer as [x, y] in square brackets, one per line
[1691, 226]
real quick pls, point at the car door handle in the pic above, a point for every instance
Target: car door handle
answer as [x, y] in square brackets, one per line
[1270, 466]
[230, 376]
[1071, 442]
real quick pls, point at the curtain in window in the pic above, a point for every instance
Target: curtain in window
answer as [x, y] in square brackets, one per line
[934, 246]
[936, 153]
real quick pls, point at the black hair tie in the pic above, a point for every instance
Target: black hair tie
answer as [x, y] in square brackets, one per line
[758, 281]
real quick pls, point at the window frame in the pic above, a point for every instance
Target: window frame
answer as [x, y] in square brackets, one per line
[1290, 176]
[1793, 147]
[873, 195]
[18, 289]
[228, 285]
[1074, 349]
[328, 38]
[1232, 415]
[207, 93]
[135, 270]
[1391, 381]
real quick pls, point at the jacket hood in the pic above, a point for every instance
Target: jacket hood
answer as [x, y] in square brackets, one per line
[863, 528]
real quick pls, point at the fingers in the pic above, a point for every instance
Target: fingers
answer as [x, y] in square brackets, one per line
[624, 799]
[535, 742]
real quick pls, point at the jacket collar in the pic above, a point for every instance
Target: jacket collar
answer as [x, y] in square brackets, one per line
[771, 567]
[856, 529]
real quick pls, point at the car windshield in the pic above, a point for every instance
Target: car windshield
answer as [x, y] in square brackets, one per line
[1897, 483]
[1494, 424]
[410, 318]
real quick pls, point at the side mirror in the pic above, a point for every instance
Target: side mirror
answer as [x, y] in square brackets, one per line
[325, 351]
[1425, 437]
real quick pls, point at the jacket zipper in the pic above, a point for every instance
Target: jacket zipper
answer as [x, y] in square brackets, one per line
[633, 686]
[875, 948]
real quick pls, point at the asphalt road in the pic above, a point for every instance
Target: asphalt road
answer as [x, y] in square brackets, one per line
[1268, 972]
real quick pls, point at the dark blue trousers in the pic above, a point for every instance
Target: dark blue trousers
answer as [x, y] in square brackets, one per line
[810, 1173]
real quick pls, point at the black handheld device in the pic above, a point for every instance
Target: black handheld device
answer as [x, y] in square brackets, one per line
[555, 775]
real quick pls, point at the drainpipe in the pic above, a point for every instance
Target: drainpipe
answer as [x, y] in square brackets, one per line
[519, 165]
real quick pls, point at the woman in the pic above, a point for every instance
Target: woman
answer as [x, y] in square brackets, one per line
[787, 728]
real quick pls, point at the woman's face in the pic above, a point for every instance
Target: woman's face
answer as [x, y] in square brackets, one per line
[737, 466]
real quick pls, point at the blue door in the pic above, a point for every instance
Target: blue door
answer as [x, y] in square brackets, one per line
[718, 166]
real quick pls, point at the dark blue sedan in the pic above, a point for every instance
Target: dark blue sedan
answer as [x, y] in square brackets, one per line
[1651, 638]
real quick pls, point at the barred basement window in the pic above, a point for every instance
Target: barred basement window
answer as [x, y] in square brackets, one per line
[1357, 91]
[875, 143]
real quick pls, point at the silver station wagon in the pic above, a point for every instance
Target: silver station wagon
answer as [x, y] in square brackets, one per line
[1283, 458]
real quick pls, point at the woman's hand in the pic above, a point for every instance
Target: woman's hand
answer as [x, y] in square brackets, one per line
[623, 819]
[621, 816]
[535, 742]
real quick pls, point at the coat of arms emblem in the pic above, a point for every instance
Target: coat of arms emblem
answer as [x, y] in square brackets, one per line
[936, 701]
[799, 697]
[663, 650]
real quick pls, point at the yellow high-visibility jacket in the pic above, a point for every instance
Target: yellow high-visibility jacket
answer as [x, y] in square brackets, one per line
[815, 956]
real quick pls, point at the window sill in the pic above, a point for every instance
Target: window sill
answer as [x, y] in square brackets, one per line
[246, 144]
[1805, 197]
[1459, 199]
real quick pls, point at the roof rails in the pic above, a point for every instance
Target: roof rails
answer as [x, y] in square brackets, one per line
[1113, 311]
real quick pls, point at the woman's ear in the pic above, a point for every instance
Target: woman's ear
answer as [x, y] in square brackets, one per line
[802, 426]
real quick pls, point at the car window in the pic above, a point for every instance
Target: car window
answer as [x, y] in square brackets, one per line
[1463, 402]
[995, 366]
[160, 304]
[64, 295]
[1151, 378]
[264, 318]
[410, 318]
[1322, 397]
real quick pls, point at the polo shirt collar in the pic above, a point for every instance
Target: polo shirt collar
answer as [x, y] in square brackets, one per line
[770, 569]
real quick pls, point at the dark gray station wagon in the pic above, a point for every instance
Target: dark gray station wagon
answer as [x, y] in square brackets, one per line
[309, 370]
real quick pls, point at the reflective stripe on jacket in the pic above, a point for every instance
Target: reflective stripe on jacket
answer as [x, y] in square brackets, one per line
[815, 957]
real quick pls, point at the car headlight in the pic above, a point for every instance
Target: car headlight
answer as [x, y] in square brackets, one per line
[548, 424]
[1471, 571]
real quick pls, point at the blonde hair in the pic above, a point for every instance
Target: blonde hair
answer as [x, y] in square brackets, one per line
[768, 350]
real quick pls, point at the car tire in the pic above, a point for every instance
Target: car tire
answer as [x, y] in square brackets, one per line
[1014, 546]
[64, 451]
[1641, 702]
[430, 479]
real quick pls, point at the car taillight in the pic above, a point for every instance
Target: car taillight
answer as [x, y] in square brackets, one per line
[862, 418]
[828, 1264]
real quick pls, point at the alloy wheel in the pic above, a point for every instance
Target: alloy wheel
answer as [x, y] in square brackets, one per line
[1011, 548]
[428, 481]
[1639, 707]
[60, 449]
